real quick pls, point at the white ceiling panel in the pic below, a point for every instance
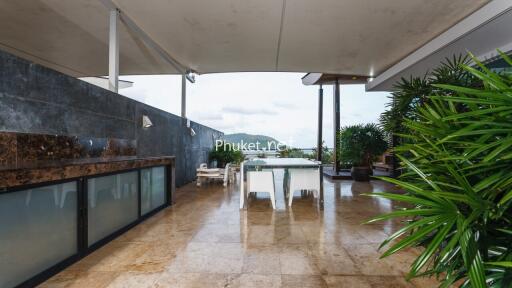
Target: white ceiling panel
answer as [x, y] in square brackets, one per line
[362, 37]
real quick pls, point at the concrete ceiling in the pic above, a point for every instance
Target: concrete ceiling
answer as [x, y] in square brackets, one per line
[355, 37]
[481, 33]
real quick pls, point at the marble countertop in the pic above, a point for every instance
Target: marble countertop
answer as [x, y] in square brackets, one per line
[35, 172]
[75, 162]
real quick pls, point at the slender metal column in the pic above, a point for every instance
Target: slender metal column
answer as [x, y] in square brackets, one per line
[113, 51]
[183, 96]
[336, 124]
[320, 118]
[394, 160]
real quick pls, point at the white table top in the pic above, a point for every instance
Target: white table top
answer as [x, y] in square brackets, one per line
[281, 162]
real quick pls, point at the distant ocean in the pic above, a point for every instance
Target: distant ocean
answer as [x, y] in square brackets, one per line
[311, 150]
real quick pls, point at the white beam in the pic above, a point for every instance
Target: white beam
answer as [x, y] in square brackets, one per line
[146, 38]
[113, 51]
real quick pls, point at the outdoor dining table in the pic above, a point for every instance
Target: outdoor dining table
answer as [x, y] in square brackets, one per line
[278, 163]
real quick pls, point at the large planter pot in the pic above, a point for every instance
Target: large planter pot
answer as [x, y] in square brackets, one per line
[361, 174]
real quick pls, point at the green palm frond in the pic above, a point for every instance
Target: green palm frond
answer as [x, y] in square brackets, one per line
[456, 158]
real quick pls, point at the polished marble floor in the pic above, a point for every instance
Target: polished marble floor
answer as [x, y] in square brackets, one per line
[204, 240]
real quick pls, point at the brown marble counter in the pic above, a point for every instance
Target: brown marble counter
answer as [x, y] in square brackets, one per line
[33, 172]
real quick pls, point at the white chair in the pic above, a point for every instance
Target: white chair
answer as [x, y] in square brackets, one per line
[303, 179]
[232, 172]
[227, 178]
[262, 181]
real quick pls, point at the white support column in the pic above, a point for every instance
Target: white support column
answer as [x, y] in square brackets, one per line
[113, 51]
[183, 96]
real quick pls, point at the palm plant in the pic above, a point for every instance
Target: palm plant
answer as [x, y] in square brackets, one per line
[360, 145]
[458, 181]
[410, 94]
[224, 154]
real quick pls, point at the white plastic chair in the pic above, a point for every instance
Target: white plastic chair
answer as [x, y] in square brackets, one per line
[262, 182]
[303, 179]
[227, 178]
[232, 172]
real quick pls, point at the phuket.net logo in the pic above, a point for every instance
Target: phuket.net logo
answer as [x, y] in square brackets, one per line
[250, 146]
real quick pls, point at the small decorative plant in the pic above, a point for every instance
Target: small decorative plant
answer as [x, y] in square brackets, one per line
[360, 145]
[224, 154]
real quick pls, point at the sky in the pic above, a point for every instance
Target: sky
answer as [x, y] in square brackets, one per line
[273, 104]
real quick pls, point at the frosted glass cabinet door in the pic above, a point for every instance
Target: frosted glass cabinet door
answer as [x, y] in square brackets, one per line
[153, 189]
[38, 229]
[112, 204]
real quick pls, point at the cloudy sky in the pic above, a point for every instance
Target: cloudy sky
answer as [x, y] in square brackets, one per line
[273, 104]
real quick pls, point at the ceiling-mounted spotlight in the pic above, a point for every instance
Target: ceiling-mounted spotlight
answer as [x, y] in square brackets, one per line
[146, 122]
[191, 76]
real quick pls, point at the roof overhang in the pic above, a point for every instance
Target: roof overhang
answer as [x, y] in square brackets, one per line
[481, 33]
[349, 37]
[330, 79]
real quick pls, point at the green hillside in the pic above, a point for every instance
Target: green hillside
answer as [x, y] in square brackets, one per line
[249, 138]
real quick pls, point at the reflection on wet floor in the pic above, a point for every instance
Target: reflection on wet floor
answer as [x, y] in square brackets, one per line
[206, 241]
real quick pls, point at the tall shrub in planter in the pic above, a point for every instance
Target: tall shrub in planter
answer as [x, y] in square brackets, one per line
[360, 145]
[458, 181]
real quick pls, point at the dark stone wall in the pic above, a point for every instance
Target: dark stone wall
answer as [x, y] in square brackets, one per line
[37, 100]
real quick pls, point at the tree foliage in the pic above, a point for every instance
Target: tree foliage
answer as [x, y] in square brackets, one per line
[409, 95]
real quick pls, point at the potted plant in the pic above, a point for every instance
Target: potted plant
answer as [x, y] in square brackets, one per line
[224, 154]
[360, 145]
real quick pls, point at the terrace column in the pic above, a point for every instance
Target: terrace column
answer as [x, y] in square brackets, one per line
[113, 51]
[183, 96]
[320, 118]
[336, 124]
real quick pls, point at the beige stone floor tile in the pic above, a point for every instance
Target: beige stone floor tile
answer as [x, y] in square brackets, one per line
[289, 234]
[333, 259]
[297, 260]
[426, 282]
[258, 281]
[262, 260]
[134, 280]
[79, 279]
[261, 234]
[226, 258]
[223, 233]
[389, 282]
[197, 280]
[347, 282]
[156, 259]
[367, 258]
[114, 256]
[303, 281]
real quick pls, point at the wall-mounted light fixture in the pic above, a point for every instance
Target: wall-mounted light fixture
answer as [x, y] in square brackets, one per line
[192, 132]
[146, 122]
